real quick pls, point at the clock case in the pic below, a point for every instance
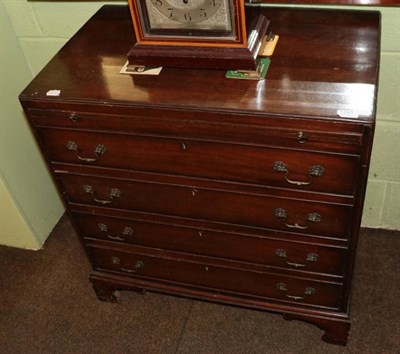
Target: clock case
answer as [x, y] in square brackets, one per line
[241, 54]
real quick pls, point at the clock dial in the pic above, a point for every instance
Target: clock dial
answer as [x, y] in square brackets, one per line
[188, 11]
[210, 18]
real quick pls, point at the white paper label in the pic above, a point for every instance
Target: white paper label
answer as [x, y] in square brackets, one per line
[347, 113]
[53, 93]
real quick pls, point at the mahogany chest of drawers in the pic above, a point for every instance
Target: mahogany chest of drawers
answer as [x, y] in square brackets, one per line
[236, 191]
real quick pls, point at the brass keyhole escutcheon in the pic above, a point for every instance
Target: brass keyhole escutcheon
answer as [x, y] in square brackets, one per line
[302, 138]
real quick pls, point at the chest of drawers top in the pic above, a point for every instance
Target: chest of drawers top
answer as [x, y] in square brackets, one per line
[316, 71]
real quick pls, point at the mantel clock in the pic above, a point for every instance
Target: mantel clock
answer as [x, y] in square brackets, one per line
[196, 33]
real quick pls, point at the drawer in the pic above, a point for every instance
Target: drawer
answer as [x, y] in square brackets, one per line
[219, 278]
[205, 125]
[266, 211]
[320, 172]
[214, 243]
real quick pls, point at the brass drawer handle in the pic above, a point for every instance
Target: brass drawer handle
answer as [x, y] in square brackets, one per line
[114, 193]
[74, 117]
[307, 292]
[312, 217]
[99, 150]
[311, 257]
[315, 171]
[126, 232]
[136, 267]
